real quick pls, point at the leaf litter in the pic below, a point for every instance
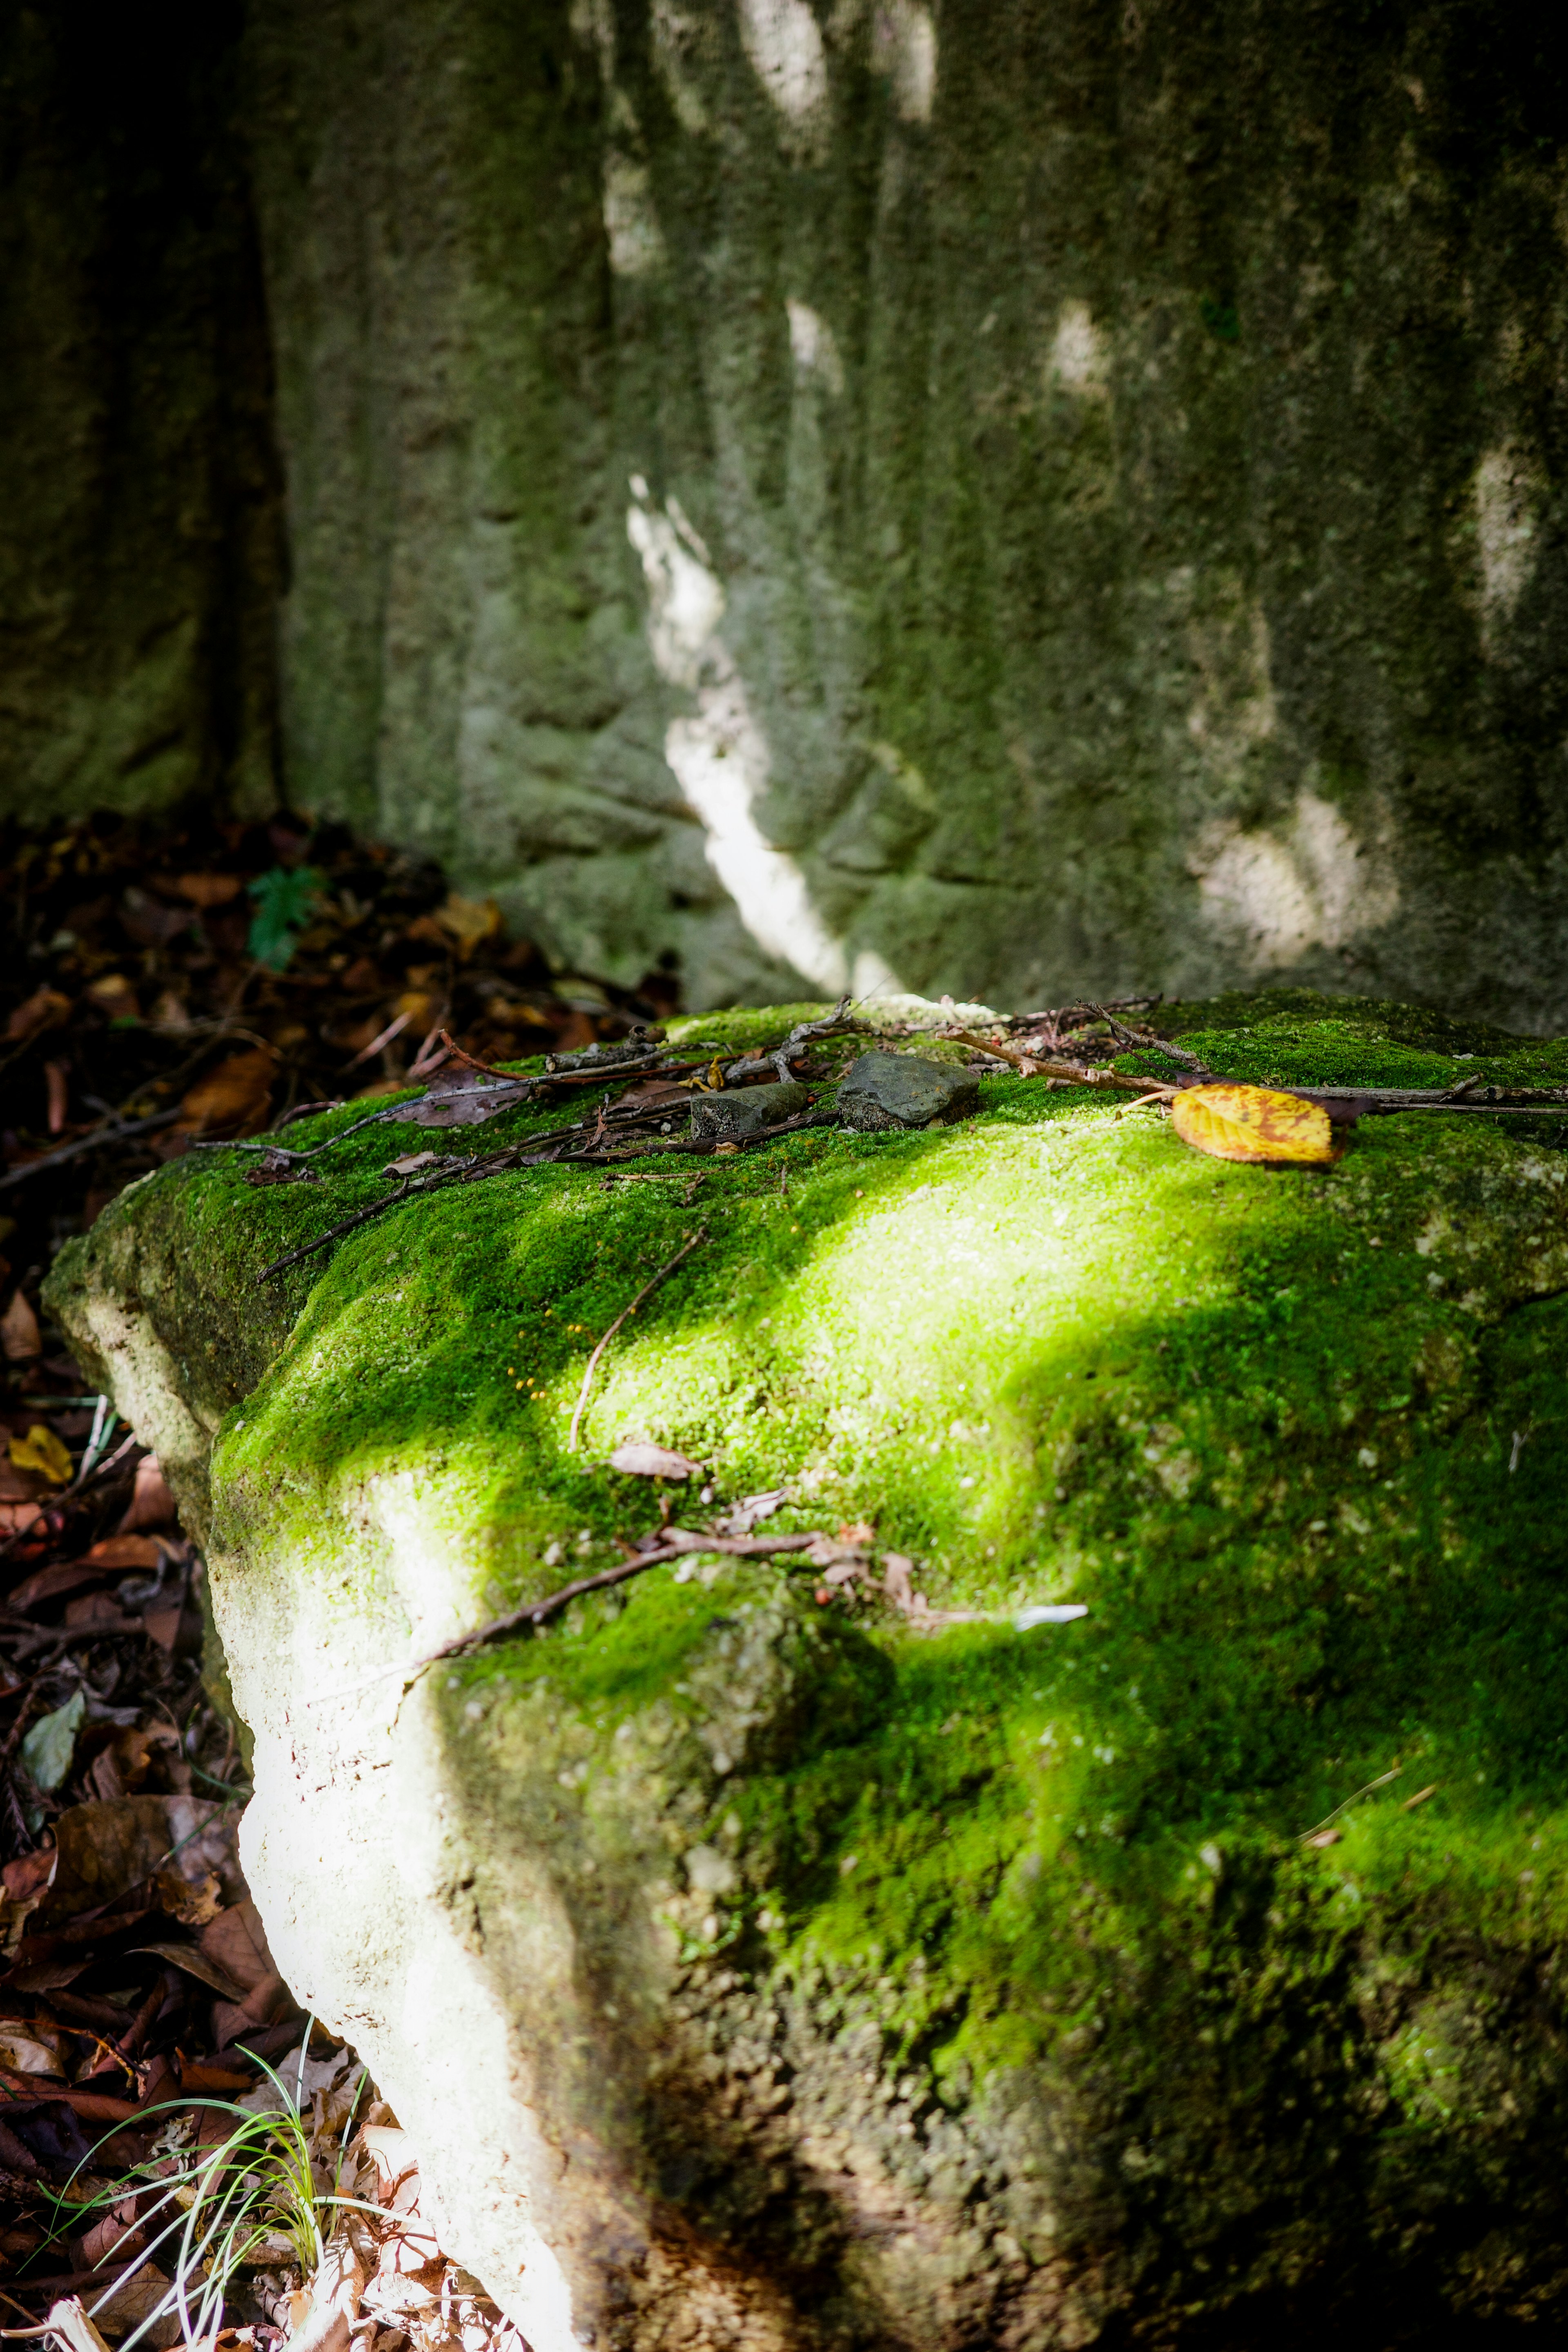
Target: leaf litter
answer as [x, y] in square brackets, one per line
[161, 987]
[154, 2065]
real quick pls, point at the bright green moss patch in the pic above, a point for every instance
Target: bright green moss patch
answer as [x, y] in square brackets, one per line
[1375, 1019]
[1293, 1038]
[1287, 1051]
[741, 1028]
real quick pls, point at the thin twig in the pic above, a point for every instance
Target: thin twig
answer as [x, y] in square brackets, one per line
[393, 1029]
[305, 1111]
[486, 1069]
[1381, 1783]
[398, 1112]
[114, 1459]
[100, 1136]
[1123, 1036]
[674, 1544]
[1043, 1067]
[335, 1233]
[513, 1159]
[997, 1050]
[265, 1143]
[685, 1250]
[1153, 1044]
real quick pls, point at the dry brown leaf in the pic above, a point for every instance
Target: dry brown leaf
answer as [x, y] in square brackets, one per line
[642, 1461]
[459, 1097]
[115, 2229]
[163, 1625]
[20, 1337]
[92, 2107]
[124, 1551]
[192, 1902]
[113, 994]
[48, 1584]
[107, 1849]
[27, 1879]
[150, 920]
[1232, 1121]
[744, 1516]
[134, 2301]
[119, 1769]
[236, 1941]
[45, 1009]
[99, 1613]
[196, 1963]
[152, 1503]
[269, 2000]
[15, 1485]
[654, 1094]
[210, 889]
[233, 1099]
[24, 2054]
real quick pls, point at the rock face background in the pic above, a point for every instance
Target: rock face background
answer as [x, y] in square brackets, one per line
[1021, 498]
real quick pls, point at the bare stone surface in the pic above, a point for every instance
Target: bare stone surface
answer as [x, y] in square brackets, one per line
[820, 493]
[747, 1110]
[884, 1090]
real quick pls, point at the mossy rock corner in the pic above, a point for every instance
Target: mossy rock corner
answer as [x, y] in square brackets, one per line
[755, 1968]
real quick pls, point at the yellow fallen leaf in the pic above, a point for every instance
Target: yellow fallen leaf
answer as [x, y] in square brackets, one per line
[1237, 1122]
[41, 1450]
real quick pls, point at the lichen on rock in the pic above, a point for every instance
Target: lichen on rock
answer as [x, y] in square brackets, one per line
[755, 1969]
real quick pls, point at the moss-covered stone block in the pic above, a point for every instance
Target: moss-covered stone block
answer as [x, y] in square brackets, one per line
[753, 1968]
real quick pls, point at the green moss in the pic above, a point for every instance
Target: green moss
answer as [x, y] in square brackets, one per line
[741, 1027]
[1297, 1440]
[1374, 1019]
[1294, 1041]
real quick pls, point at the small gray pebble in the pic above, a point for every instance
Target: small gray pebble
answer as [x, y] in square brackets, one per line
[747, 1111]
[905, 1090]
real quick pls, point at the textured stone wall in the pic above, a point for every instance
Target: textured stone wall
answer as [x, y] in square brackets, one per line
[141, 552]
[1018, 498]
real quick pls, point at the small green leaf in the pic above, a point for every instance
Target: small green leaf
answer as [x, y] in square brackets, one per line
[47, 1749]
[284, 903]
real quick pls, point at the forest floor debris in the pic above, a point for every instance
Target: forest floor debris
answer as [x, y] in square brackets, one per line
[160, 987]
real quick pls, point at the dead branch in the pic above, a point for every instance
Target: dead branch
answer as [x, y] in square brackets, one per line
[671, 1544]
[335, 1233]
[100, 1138]
[1032, 1066]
